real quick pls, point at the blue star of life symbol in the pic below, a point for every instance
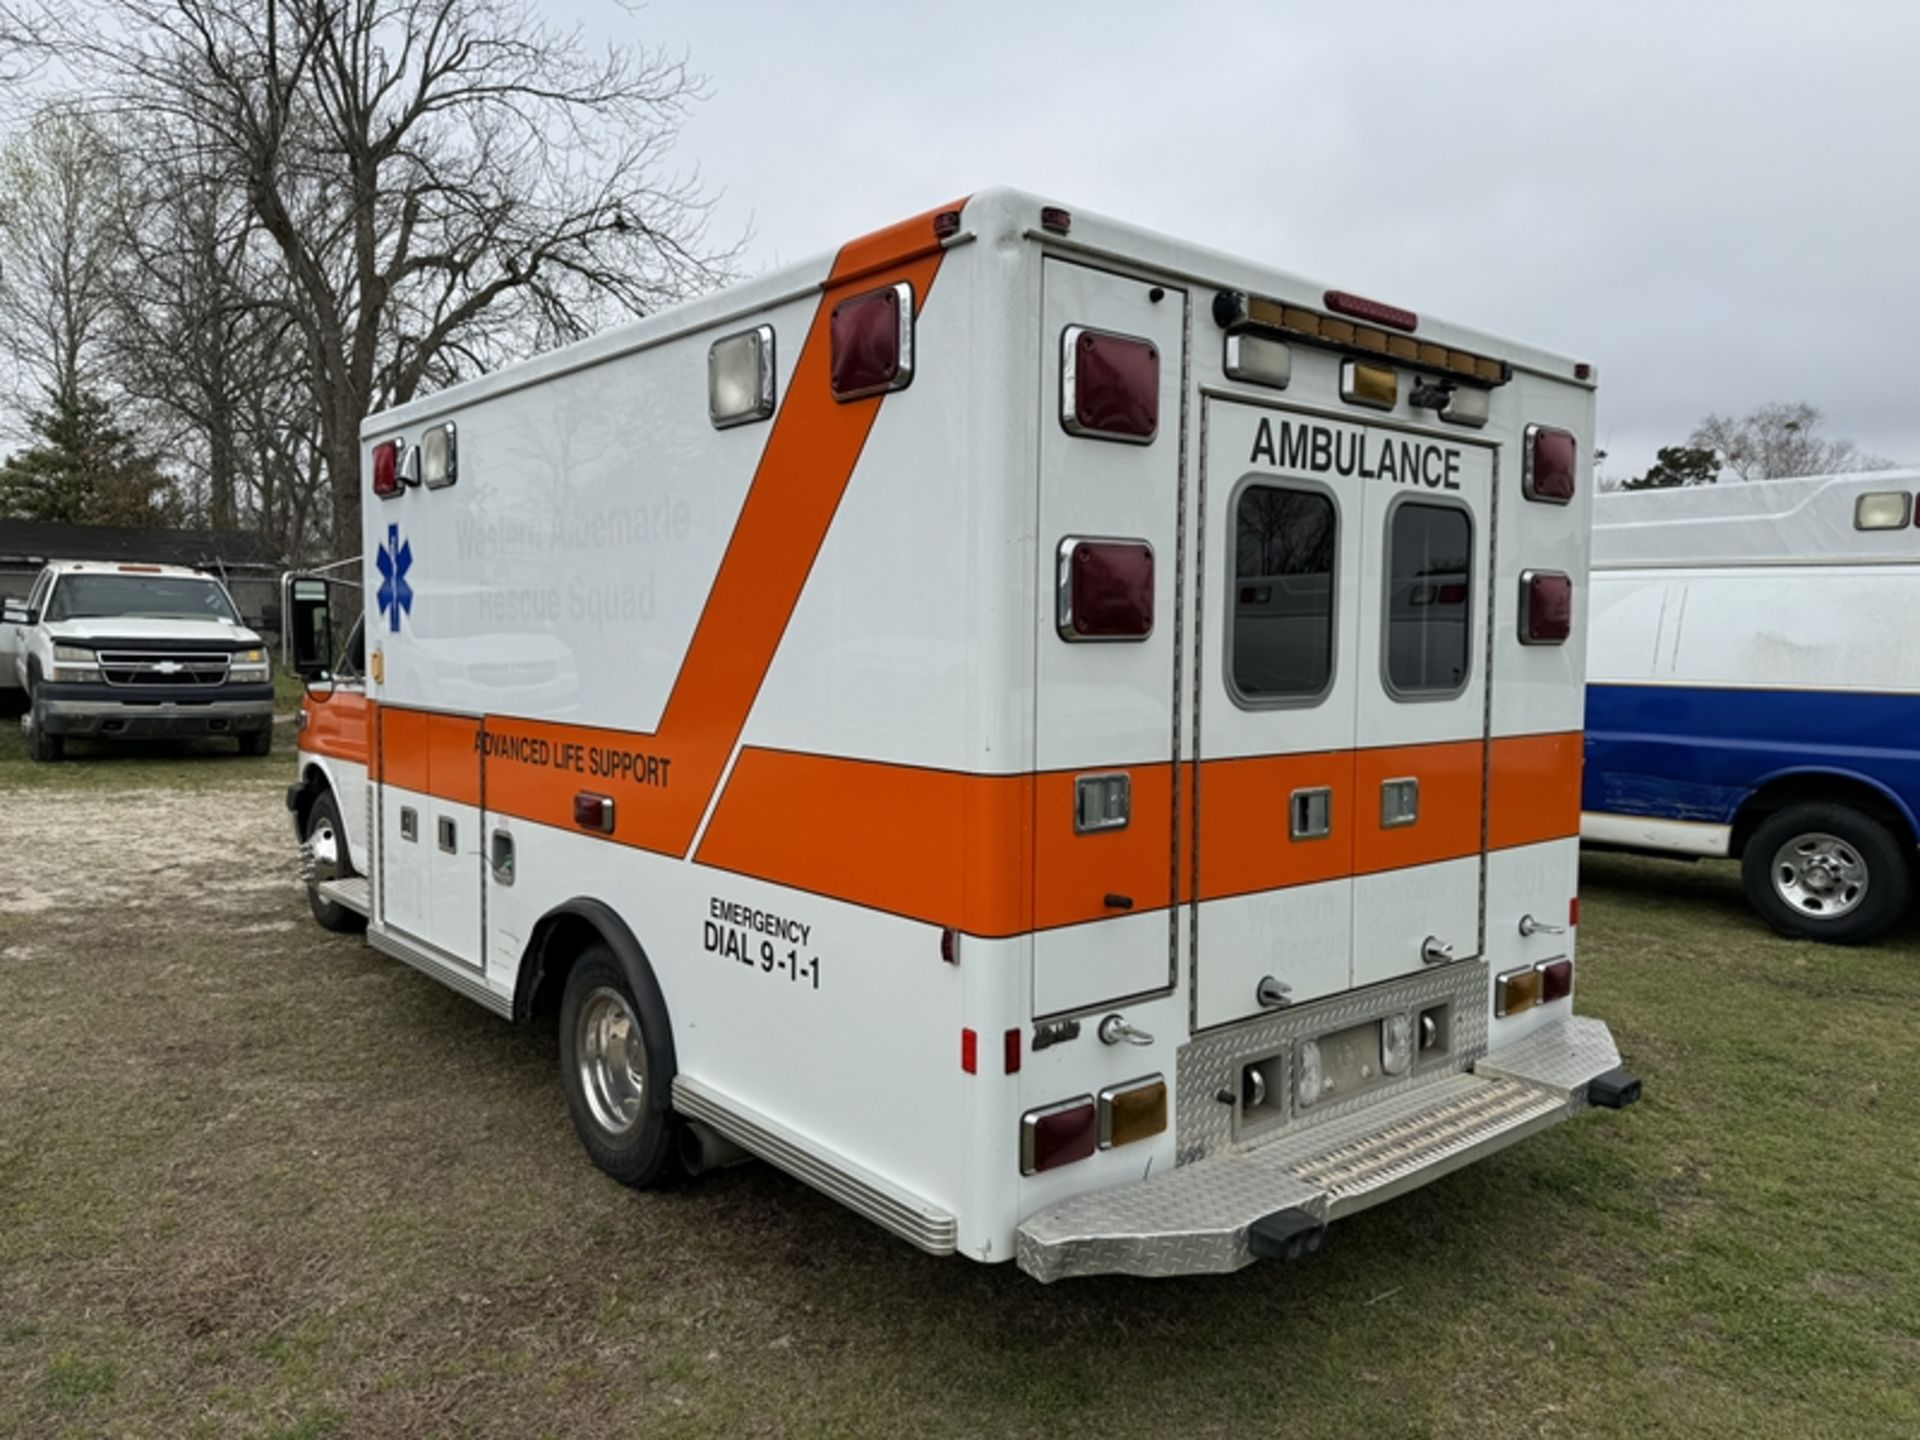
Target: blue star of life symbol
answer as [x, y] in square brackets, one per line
[393, 561]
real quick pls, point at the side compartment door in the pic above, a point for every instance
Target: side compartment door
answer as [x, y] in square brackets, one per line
[1109, 467]
[429, 816]
[1420, 767]
[1275, 815]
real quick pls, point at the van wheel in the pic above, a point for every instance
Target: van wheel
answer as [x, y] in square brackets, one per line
[612, 1065]
[41, 745]
[327, 860]
[1827, 873]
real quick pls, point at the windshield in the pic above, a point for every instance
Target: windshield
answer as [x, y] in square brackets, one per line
[156, 597]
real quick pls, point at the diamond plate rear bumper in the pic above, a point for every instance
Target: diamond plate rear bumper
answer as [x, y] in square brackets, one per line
[1194, 1219]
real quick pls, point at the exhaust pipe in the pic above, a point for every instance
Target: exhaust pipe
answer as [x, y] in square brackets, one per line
[703, 1148]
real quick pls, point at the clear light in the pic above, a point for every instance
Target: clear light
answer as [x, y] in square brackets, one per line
[1468, 406]
[1887, 510]
[1259, 361]
[1376, 386]
[1396, 1043]
[439, 457]
[1311, 1076]
[73, 663]
[740, 379]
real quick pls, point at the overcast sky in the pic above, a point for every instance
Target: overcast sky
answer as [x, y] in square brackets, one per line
[1719, 204]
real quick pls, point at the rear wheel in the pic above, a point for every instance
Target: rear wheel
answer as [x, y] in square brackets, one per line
[1827, 873]
[326, 845]
[617, 1078]
[257, 742]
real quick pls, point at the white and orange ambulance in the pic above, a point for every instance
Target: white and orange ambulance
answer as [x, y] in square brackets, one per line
[1064, 740]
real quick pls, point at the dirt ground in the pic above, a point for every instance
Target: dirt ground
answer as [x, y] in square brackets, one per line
[256, 1180]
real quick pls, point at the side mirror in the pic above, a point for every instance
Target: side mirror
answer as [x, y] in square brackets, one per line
[309, 632]
[17, 613]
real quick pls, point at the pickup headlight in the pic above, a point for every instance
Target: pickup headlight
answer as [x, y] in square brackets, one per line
[72, 663]
[248, 665]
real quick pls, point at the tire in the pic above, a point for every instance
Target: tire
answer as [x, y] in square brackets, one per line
[42, 746]
[621, 1102]
[1827, 873]
[257, 742]
[326, 843]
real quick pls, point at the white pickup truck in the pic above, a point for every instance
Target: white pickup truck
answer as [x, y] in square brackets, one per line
[132, 652]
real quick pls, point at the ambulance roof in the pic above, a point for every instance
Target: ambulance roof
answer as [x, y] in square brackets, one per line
[1808, 520]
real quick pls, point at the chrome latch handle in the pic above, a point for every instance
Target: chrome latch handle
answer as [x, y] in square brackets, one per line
[1115, 1029]
[1531, 926]
[1435, 951]
[1273, 993]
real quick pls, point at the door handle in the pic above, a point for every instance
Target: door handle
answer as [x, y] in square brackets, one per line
[1435, 951]
[1273, 993]
[1531, 926]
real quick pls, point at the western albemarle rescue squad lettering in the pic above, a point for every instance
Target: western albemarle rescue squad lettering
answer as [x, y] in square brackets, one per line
[634, 766]
[1322, 450]
[730, 929]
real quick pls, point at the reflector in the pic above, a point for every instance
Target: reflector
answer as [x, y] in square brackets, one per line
[1109, 385]
[1546, 607]
[1056, 1135]
[1546, 470]
[872, 343]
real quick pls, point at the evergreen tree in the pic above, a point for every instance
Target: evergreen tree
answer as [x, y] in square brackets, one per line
[84, 469]
[1678, 465]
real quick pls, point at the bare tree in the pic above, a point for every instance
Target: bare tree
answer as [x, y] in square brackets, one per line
[1778, 440]
[447, 183]
[58, 252]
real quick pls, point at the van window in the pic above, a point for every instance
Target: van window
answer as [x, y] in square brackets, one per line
[1429, 595]
[1280, 621]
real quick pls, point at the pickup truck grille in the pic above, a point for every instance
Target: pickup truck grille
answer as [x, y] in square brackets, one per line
[153, 667]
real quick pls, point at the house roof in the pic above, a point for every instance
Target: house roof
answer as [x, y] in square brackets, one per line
[34, 542]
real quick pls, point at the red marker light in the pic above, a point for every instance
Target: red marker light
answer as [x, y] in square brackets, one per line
[1057, 1135]
[1546, 607]
[593, 812]
[1556, 980]
[1107, 591]
[969, 1052]
[1110, 386]
[386, 469]
[1361, 308]
[871, 338]
[1547, 461]
[1012, 1052]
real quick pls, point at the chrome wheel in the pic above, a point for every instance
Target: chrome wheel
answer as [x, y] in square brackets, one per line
[612, 1059]
[1821, 876]
[323, 850]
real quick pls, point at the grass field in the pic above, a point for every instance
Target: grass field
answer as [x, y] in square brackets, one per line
[257, 1181]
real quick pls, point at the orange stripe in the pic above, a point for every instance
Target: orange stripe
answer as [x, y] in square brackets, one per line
[1447, 823]
[338, 725]
[1245, 835]
[1534, 789]
[430, 753]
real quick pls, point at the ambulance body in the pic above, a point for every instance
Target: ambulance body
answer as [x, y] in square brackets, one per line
[1063, 740]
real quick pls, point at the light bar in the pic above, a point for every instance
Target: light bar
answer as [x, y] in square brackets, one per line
[1232, 309]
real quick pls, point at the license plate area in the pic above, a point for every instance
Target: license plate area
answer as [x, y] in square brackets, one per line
[1319, 1073]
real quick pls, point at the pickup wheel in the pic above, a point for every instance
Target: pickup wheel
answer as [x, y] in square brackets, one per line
[41, 745]
[612, 1065]
[326, 845]
[257, 742]
[1827, 873]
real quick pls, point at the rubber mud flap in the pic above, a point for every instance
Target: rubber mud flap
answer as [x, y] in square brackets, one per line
[1614, 1090]
[1285, 1235]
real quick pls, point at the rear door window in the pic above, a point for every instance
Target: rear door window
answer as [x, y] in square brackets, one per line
[1280, 632]
[1429, 600]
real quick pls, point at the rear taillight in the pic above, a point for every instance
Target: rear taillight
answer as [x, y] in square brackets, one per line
[872, 342]
[1516, 991]
[1109, 386]
[1546, 607]
[1057, 1135]
[1133, 1111]
[1546, 469]
[1106, 589]
[386, 469]
[1556, 980]
[1361, 308]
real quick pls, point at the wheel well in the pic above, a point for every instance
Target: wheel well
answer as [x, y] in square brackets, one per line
[557, 942]
[313, 785]
[1821, 789]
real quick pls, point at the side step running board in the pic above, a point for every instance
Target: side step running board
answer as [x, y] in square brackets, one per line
[350, 892]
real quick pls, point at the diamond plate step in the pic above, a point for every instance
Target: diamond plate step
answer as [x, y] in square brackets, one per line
[352, 891]
[1194, 1219]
